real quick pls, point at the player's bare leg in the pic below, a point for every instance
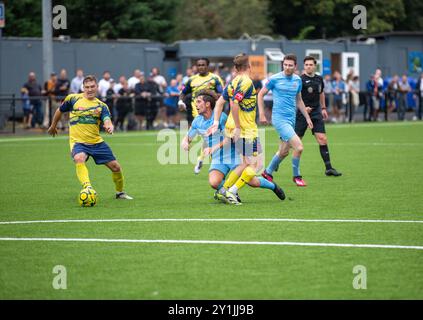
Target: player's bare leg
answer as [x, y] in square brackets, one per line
[281, 154]
[297, 146]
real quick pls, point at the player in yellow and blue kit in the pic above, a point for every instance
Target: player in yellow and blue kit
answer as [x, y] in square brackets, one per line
[86, 114]
[224, 158]
[203, 80]
[241, 128]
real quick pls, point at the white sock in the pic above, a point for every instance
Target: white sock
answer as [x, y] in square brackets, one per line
[233, 189]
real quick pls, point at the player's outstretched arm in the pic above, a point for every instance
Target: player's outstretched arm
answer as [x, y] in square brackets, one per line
[212, 149]
[181, 104]
[52, 130]
[235, 116]
[217, 112]
[302, 108]
[185, 143]
[186, 90]
[260, 102]
[108, 126]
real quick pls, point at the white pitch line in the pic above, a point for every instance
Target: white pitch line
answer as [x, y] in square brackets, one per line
[154, 133]
[66, 137]
[211, 220]
[262, 243]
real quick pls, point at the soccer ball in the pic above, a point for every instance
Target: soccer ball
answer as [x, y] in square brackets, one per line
[87, 197]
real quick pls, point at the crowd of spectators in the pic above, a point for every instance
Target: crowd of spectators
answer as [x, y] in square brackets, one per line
[399, 94]
[148, 101]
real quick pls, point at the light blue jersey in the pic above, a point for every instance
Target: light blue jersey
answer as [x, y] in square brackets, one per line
[200, 125]
[285, 90]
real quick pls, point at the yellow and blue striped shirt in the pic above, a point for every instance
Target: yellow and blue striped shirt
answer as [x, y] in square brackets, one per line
[197, 82]
[85, 117]
[241, 89]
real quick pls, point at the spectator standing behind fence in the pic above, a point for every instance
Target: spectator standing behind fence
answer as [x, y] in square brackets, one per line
[51, 103]
[143, 92]
[26, 106]
[367, 112]
[34, 93]
[132, 81]
[62, 85]
[338, 89]
[349, 77]
[374, 88]
[188, 97]
[327, 89]
[179, 81]
[404, 89]
[62, 90]
[354, 91]
[392, 94]
[118, 86]
[378, 76]
[188, 74]
[419, 92]
[104, 85]
[171, 103]
[76, 83]
[162, 84]
[123, 105]
[111, 96]
[155, 103]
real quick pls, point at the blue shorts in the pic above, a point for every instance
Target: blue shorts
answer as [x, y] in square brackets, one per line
[285, 129]
[224, 168]
[100, 152]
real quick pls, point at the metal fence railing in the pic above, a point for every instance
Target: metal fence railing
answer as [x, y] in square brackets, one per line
[362, 107]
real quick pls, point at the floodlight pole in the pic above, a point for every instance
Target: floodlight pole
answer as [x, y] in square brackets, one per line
[47, 40]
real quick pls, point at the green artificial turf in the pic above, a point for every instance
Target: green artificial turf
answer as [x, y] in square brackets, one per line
[382, 180]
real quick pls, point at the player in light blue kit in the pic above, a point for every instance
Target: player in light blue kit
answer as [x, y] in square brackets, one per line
[224, 157]
[286, 88]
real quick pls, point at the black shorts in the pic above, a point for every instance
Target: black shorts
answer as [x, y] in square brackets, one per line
[316, 118]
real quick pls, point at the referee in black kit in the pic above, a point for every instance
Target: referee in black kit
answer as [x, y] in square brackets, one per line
[314, 100]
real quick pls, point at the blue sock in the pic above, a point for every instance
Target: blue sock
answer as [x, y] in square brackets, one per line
[266, 184]
[274, 164]
[296, 167]
[221, 184]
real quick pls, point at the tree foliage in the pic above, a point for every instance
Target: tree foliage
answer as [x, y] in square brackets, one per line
[120, 19]
[414, 16]
[96, 19]
[23, 18]
[333, 18]
[171, 20]
[223, 19]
